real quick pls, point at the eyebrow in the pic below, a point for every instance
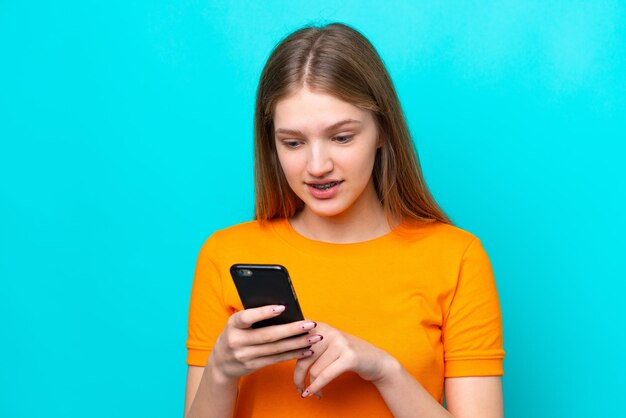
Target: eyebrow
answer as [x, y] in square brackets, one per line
[327, 129]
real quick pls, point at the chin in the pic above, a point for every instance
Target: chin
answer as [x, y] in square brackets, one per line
[327, 211]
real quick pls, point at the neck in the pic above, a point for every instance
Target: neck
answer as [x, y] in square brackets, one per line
[364, 221]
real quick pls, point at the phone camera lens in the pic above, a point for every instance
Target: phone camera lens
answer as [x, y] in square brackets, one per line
[245, 273]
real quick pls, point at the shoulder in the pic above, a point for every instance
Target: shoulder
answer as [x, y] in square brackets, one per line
[440, 244]
[437, 234]
[240, 234]
[245, 230]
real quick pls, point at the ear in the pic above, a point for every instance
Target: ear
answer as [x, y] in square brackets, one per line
[379, 142]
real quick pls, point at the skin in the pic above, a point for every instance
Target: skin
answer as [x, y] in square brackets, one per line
[309, 153]
[345, 153]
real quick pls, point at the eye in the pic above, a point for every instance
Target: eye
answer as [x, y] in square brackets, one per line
[291, 143]
[343, 139]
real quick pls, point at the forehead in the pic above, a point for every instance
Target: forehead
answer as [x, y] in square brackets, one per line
[306, 109]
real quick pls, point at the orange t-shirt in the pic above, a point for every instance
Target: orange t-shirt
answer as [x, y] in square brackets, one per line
[424, 293]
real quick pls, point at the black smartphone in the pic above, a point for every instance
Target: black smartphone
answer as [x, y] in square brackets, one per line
[266, 284]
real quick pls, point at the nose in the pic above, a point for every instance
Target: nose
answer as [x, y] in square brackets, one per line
[319, 161]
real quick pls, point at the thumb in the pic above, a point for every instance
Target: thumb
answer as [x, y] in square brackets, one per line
[244, 319]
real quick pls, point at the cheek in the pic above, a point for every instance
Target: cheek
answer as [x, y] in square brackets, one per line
[289, 164]
[364, 164]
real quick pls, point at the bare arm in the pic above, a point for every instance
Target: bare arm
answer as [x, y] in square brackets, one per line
[241, 350]
[405, 397]
[194, 376]
[466, 397]
[218, 393]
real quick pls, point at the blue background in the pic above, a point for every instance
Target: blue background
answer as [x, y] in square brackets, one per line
[126, 139]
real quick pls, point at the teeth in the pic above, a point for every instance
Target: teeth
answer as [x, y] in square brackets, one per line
[324, 186]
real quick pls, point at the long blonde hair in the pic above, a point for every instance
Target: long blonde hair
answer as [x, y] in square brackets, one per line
[336, 59]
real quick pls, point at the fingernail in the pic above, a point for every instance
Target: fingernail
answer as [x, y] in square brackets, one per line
[309, 325]
[278, 308]
[306, 353]
[299, 390]
[306, 393]
[314, 339]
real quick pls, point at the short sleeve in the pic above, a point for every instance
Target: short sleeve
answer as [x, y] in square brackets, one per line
[472, 328]
[208, 313]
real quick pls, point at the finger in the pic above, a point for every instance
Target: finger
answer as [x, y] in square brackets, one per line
[260, 362]
[301, 370]
[274, 333]
[325, 360]
[319, 394]
[244, 319]
[281, 346]
[330, 373]
[316, 363]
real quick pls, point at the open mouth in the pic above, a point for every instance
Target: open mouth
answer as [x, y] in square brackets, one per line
[324, 186]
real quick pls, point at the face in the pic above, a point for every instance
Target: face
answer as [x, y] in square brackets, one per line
[327, 148]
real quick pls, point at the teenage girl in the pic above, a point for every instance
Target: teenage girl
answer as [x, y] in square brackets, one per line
[402, 306]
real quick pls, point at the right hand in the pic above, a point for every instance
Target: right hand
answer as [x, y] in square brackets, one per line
[241, 350]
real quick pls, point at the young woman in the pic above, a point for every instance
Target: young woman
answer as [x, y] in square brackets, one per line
[402, 305]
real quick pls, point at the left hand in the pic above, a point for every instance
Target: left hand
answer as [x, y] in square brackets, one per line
[336, 354]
